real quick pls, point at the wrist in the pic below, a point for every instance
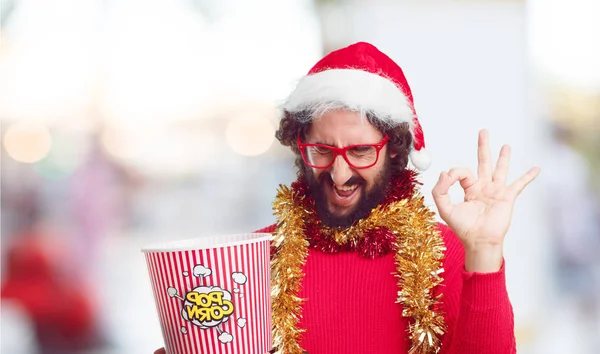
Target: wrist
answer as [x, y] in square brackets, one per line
[484, 259]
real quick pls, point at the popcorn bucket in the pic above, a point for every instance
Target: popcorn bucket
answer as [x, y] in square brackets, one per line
[213, 293]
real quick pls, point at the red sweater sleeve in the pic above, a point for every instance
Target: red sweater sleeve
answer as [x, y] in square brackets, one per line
[476, 306]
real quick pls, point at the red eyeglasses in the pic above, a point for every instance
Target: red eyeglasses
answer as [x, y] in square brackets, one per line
[357, 156]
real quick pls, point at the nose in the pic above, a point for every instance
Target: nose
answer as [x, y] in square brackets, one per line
[340, 171]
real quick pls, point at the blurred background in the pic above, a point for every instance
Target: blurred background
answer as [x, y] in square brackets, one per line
[134, 121]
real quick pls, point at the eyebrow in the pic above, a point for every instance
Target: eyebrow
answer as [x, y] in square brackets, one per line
[318, 142]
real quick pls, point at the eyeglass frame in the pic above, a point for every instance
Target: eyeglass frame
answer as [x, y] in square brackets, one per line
[341, 151]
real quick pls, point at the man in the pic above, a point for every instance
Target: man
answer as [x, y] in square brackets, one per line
[359, 264]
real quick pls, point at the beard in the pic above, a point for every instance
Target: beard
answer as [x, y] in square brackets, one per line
[369, 199]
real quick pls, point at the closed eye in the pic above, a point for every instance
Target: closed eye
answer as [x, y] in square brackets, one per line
[362, 150]
[321, 150]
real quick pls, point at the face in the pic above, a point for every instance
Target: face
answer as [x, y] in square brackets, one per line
[344, 194]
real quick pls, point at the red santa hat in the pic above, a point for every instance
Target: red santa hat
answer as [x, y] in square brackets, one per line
[363, 79]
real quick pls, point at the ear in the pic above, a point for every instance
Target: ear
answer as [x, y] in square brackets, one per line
[393, 155]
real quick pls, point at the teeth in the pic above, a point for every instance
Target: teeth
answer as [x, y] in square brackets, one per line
[346, 188]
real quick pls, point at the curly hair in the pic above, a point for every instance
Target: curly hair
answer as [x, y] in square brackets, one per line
[298, 124]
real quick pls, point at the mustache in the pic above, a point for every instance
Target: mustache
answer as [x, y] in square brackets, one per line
[325, 177]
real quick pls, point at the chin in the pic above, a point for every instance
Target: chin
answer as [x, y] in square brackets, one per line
[339, 211]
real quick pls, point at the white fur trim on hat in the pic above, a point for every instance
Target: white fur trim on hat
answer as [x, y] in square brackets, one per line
[421, 159]
[352, 89]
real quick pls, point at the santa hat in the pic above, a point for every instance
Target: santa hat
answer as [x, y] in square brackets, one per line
[363, 79]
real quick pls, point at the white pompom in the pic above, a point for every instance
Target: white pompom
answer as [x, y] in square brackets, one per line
[421, 159]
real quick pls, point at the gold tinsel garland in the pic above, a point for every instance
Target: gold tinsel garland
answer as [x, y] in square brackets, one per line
[286, 273]
[419, 251]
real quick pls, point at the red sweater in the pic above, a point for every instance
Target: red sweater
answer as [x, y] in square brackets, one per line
[351, 305]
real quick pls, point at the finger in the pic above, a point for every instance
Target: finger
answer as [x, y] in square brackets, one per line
[517, 186]
[160, 351]
[463, 175]
[484, 169]
[501, 172]
[441, 197]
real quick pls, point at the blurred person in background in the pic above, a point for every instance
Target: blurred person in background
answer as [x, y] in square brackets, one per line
[359, 264]
[99, 203]
[44, 294]
[574, 211]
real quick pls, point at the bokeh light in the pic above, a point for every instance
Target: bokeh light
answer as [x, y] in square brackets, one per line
[120, 143]
[249, 134]
[65, 156]
[27, 142]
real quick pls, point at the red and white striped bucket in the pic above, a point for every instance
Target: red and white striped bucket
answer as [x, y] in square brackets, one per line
[213, 293]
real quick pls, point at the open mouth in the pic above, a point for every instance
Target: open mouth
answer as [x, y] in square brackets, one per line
[344, 196]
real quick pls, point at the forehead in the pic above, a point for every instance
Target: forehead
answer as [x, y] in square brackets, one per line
[343, 126]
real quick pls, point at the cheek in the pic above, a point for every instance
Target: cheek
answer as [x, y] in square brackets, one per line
[371, 175]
